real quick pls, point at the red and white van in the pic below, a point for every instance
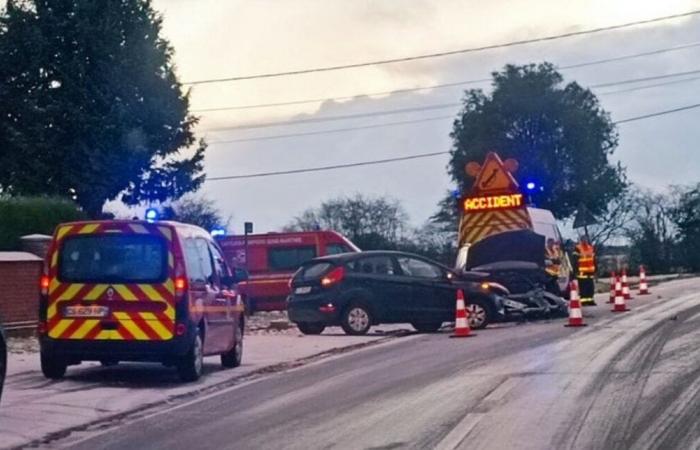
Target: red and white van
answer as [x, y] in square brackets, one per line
[273, 258]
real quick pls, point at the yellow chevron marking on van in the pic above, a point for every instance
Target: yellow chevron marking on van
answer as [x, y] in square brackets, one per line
[138, 228]
[53, 285]
[166, 232]
[156, 325]
[60, 327]
[104, 335]
[89, 228]
[84, 329]
[170, 286]
[124, 292]
[126, 322]
[54, 259]
[72, 290]
[150, 292]
[96, 292]
[62, 231]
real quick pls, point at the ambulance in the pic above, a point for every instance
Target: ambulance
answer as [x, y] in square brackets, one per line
[123, 290]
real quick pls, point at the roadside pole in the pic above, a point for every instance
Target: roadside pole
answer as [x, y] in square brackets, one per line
[247, 229]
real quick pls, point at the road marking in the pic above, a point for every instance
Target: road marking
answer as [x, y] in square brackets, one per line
[459, 433]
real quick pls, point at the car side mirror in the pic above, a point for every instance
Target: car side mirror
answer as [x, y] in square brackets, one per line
[240, 275]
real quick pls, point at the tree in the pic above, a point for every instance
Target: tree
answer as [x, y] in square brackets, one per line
[559, 134]
[686, 217]
[371, 223]
[198, 211]
[652, 232]
[90, 105]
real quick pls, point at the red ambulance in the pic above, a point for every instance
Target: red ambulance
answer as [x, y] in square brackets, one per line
[273, 258]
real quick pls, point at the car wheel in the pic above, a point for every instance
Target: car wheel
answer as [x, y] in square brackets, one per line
[52, 367]
[311, 327]
[190, 366]
[356, 319]
[427, 327]
[479, 314]
[233, 357]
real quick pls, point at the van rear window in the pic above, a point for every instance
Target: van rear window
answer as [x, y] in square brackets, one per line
[289, 258]
[117, 258]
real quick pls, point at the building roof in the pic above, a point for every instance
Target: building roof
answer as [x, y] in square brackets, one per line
[18, 257]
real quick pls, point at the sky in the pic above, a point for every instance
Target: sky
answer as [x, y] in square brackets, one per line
[219, 39]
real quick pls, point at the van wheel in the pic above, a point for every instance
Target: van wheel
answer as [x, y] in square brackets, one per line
[427, 327]
[233, 357]
[52, 367]
[190, 366]
[356, 319]
[311, 327]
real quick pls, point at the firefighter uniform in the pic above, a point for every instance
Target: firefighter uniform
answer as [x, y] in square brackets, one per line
[553, 258]
[586, 271]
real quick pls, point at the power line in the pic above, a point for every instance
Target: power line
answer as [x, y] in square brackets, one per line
[446, 53]
[420, 108]
[442, 85]
[337, 166]
[335, 130]
[415, 156]
[382, 112]
[656, 114]
[649, 86]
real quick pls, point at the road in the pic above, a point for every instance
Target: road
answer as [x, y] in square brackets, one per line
[628, 380]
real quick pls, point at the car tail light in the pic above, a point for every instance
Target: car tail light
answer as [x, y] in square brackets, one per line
[334, 276]
[328, 308]
[44, 282]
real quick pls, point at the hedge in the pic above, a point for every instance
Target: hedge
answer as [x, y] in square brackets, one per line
[20, 216]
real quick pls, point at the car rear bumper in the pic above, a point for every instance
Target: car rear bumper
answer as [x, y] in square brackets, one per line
[312, 309]
[75, 350]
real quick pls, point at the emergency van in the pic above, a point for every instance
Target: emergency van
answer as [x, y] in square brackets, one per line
[271, 260]
[137, 291]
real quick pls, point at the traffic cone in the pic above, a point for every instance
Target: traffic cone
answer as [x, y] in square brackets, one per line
[620, 305]
[575, 311]
[461, 318]
[612, 288]
[643, 287]
[625, 286]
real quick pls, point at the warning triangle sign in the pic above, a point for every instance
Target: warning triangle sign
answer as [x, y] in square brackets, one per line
[494, 177]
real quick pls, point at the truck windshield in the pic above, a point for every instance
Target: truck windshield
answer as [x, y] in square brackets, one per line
[115, 258]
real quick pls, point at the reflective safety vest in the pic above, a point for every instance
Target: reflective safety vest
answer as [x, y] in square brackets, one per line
[586, 255]
[553, 256]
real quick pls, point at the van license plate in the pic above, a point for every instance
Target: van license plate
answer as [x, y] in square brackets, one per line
[86, 311]
[303, 290]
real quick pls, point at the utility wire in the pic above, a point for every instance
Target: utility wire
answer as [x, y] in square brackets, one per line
[384, 112]
[335, 130]
[442, 85]
[415, 156]
[649, 86]
[446, 53]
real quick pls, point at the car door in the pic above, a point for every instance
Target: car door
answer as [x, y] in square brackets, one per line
[432, 293]
[214, 314]
[390, 291]
[224, 300]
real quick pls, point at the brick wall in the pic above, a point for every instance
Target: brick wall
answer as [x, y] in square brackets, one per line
[19, 294]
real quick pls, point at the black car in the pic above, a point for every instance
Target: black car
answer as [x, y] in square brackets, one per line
[358, 290]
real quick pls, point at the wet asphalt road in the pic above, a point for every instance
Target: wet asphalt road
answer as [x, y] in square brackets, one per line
[628, 380]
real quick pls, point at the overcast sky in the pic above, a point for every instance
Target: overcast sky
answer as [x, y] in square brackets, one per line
[218, 39]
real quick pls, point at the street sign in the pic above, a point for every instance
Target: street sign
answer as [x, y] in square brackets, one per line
[248, 227]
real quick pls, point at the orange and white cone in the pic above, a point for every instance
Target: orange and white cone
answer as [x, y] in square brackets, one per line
[643, 286]
[620, 305]
[575, 311]
[461, 318]
[625, 286]
[612, 288]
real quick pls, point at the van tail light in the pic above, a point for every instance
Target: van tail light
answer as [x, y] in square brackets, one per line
[334, 276]
[180, 287]
[44, 282]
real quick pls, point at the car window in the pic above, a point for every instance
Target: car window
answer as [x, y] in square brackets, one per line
[194, 267]
[334, 249]
[289, 258]
[219, 263]
[315, 270]
[205, 259]
[416, 268]
[375, 265]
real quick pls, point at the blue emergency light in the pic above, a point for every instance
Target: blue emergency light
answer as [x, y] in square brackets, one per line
[219, 231]
[151, 214]
[531, 186]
